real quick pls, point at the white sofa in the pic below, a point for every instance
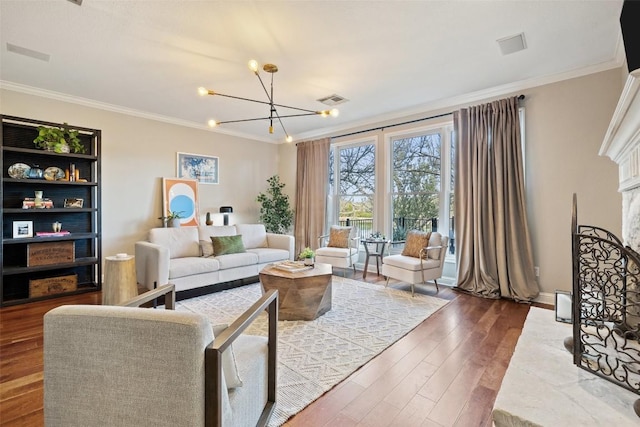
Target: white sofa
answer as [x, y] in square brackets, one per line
[175, 255]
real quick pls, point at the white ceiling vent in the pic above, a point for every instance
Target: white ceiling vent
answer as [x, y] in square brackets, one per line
[78, 2]
[512, 44]
[28, 52]
[333, 100]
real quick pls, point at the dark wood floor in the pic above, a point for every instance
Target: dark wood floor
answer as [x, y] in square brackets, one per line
[446, 372]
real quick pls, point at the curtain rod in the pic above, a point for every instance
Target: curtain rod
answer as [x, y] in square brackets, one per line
[520, 97]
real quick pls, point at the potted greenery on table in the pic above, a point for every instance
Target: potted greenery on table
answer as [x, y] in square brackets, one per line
[59, 140]
[307, 255]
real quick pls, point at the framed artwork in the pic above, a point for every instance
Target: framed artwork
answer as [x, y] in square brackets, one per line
[180, 195]
[22, 229]
[203, 169]
[73, 203]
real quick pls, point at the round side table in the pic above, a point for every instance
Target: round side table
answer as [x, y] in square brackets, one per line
[119, 279]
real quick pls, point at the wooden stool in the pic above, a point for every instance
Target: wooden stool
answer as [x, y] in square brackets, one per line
[120, 283]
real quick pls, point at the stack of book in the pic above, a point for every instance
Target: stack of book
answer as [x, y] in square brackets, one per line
[52, 233]
[292, 266]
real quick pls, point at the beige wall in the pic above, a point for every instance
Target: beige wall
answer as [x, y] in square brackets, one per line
[137, 153]
[565, 126]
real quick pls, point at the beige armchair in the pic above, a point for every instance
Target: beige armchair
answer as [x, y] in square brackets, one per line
[339, 248]
[418, 269]
[130, 366]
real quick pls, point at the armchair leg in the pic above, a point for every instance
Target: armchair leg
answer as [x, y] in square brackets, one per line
[387, 282]
[437, 288]
[412, 290]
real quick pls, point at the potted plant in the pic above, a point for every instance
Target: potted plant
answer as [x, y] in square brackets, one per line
[307, 255]
[172, 219]
[59, 140]
[275, 213]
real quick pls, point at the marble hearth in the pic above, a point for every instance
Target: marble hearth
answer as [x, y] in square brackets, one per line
[542, 386]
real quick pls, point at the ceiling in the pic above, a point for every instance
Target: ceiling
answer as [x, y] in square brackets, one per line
[388, 58]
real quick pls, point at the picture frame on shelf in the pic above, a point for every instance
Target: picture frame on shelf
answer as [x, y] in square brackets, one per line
[203, 169]
[73, 202]
[22, 229]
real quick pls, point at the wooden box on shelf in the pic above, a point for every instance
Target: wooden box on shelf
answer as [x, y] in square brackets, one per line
[50, 253]
[53, 285]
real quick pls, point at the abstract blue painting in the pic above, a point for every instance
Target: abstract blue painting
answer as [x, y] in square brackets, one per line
[202, 168]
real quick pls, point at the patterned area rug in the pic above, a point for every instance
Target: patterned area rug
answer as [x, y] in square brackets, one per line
[315, 356]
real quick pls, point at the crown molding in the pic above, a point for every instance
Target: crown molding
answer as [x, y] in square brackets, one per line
[468, 98]
[85, 102]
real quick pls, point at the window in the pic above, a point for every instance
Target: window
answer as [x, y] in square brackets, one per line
[355, 187]
[415, 183]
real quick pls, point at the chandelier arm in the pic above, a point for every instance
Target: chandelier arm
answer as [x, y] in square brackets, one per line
[267, 103]
[243, 120]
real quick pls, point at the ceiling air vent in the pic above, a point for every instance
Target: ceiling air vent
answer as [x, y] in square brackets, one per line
[333, 100]
[28, 52]
[512, 44]
[78, 2]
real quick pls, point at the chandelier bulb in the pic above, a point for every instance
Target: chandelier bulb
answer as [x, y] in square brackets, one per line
[334, 112]
[253, 65]
[202, 91]
[270, 129]
[289, 138]
[212, 123]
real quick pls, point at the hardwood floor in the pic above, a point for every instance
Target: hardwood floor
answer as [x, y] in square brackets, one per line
[446, 372]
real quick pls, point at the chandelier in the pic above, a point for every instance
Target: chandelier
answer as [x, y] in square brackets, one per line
[273, 111]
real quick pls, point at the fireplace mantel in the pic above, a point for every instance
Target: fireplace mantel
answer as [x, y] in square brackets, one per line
[622, 140]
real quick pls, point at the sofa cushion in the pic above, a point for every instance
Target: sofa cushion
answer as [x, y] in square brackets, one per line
[223, 245]
[181, 241]
[229, 364]
[336, 252]
[266, 255]
[416, 240]
[253, 235]
[236, 260]
[410, 263]
[188, 266]
[339, 236]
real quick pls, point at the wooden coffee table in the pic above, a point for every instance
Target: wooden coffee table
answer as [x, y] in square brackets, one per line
[303, 295]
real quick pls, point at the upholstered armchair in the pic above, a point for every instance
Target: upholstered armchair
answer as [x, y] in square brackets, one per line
[421, 260]
[130, 366]
[339, 248]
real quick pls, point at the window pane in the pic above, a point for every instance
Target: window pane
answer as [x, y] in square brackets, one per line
[356, 187]
[415, 184]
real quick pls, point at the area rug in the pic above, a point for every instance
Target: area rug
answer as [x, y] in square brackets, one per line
[316, 355]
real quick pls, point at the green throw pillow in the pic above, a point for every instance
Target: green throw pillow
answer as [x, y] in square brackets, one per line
[223, 245]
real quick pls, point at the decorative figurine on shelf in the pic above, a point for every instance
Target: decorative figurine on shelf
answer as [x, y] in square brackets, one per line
[38, 203]
[35, 172]
[57, 226]
[208, 220]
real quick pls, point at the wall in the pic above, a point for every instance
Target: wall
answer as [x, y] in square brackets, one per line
[138, 152]
[565, 126]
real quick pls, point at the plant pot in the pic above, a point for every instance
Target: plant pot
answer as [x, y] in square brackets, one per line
[174, 223]
[308, 261]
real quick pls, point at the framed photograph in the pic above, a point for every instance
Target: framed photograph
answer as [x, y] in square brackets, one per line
[180, 196]
[73, 203]
[203, 169]
[22, 229]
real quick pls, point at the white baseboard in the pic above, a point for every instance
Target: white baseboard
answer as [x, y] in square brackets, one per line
[546, 298]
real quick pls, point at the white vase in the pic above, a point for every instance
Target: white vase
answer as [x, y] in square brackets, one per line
[308, 261]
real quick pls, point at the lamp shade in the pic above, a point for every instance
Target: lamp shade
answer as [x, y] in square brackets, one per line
[226, 209]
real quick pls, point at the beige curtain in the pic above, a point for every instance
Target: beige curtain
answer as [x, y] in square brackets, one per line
[492, 237]
[312, 179]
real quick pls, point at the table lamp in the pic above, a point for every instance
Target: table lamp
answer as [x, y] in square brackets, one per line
[226, 210]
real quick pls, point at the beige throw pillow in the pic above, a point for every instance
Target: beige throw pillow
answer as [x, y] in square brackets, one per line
[206, 248]
[339, 236]
[416, 240]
